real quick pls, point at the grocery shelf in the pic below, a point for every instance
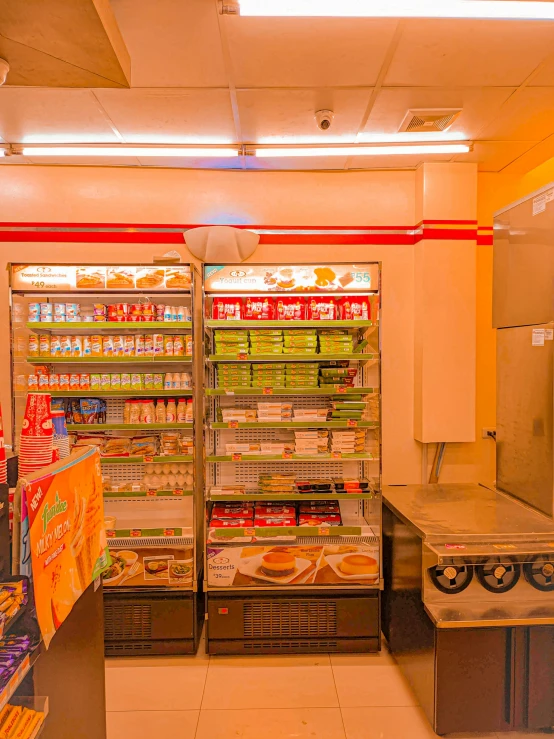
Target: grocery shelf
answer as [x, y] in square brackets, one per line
[115, 327]
[212, 323]
[126, 426]
[292, 497]
[268, 532]
[146, 459]
[335, 390]
[352, 357]
[361, 457]
[162, 494]
[295, 425]
[108, 360]
[138, 533]
[119, 393]
[19, 675]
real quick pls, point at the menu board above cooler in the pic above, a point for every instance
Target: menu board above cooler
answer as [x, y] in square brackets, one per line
[248, 278]
[97, 278]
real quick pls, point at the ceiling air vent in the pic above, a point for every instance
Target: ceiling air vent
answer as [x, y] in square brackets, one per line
[431, 120]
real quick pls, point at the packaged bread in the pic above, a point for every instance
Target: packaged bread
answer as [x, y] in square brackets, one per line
[116, 446]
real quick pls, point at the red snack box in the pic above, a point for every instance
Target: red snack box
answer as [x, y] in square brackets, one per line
[259, 308]
[355, 308]
[230, 523]
[274, 521]
[289, 308]
[322, 309]
[283, 511]
[321, 508]
[232, 512]
[319, 519]
[227, 309]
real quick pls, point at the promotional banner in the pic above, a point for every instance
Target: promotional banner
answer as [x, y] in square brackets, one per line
[66, 535]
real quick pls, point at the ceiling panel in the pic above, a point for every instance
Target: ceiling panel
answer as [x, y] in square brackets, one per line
[492, 156]
[268, 116]
[467, 52]
[478, 106]
[527, 116]
[46, 115]
[170, 116]
[302, 52]
[173, 43]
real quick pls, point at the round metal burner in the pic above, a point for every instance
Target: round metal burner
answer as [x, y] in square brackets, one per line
[497, 576]
[451, 579]
[540, 574]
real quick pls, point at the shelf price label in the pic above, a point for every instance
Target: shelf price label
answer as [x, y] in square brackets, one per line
[236, 457]
[147, 459]
[242, 355]
[178, 492]
[352, 422]
[250, 532]
[135, 532]
[286, 455]
[341, 389]
[267, 391]
[169, 532]
[323, 531]
[151, 493]
[336, 455]
[110, 533]
[233, 425]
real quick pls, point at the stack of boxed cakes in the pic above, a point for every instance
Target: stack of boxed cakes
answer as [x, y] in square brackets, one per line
[351, 441]
[274, 411]
[241, 415]
[234, 375]
[335, 341]
[268, 375]
[302, 375]
[311, 442]
[266, 341]
[277, 484]
[347, 407]
[231, 342]
[343, 376]
[301, 341]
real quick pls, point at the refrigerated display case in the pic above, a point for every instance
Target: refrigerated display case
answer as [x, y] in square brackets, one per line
[293, 458]
[113, 345]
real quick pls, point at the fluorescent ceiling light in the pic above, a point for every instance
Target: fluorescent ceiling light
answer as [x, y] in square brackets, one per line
[127, 151]
[486, 9]
[363, 151]
[392, 138]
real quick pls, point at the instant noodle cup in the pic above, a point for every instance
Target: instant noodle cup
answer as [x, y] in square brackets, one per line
[72, 310]
[34, 311]
[135, 319]
[96, 345]
[54, 382]
[33, 346]
[135, 309]
[148, 309]
[58, 309]
[84, 381]
[46, 309]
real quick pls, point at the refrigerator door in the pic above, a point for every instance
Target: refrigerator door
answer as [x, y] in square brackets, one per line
[524, 262]
[524, 410]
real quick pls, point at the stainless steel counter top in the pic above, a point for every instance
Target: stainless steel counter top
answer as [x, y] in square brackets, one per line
[465, 513]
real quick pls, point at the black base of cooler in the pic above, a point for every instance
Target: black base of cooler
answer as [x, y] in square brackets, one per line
[140, 622]
[292, 623]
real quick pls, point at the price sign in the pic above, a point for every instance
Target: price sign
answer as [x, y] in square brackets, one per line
[151, 493]
[229, 392]
[323, 531]
[336, 455]
[341, 389]
[169, 532]
[147, 459]
[242, 355]
[236, 457]
[233, 425]
[267, 391]
[178, 491]
[110, 533]
[352, 422]
[250, 532]
[286, 455]
[135, 532]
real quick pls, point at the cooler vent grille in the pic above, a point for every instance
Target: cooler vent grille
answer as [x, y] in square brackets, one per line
[298, 618]
[127, 621]
[290, 646]
[113, 649]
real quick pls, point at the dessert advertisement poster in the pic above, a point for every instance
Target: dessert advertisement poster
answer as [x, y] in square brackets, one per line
[344, 278]
[67, 538]
[329, 564]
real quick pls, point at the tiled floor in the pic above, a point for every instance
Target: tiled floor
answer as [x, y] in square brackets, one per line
[315, 697]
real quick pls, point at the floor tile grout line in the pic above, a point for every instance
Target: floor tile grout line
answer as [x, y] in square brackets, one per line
[338, 698]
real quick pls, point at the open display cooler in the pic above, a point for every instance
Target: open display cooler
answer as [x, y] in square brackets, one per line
[113, 345]
[293, 458]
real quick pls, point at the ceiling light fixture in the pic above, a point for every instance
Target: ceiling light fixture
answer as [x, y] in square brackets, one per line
[128, 151]
[482, 9]
[363, 151]
[408, 138]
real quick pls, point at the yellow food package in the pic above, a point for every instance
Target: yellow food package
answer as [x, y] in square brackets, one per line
[11, 721]
[4, 714]
[27, 724]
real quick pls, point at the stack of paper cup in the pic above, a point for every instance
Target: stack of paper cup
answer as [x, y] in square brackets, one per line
[3, 460]
[61, 438]
[35, 446]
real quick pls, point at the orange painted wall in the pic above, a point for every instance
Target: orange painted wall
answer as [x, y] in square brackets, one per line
[90, 194]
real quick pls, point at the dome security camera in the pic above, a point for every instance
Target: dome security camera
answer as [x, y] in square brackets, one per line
[4, 69]
[324, 119]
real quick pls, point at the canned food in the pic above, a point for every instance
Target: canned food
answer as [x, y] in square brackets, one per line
[125, 381]
[158, 344]
[46, 309]
[32, 382]
[87, 346]
[34, 310]
[116, 382]
[129, 346]
[65, 342]
[168, 346]
[64, 382]
[84, 381]
[107, 346]
[139, 345]
[76, 346]
[33, 346]
[119, 346]
[96, 345]
[178, 346]
[95, 382]
[45, 343]
[58, 309]
[74, 381]
[55, 346]
[148, 345]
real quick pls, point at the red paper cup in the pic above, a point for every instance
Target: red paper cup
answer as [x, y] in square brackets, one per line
[37, 420]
